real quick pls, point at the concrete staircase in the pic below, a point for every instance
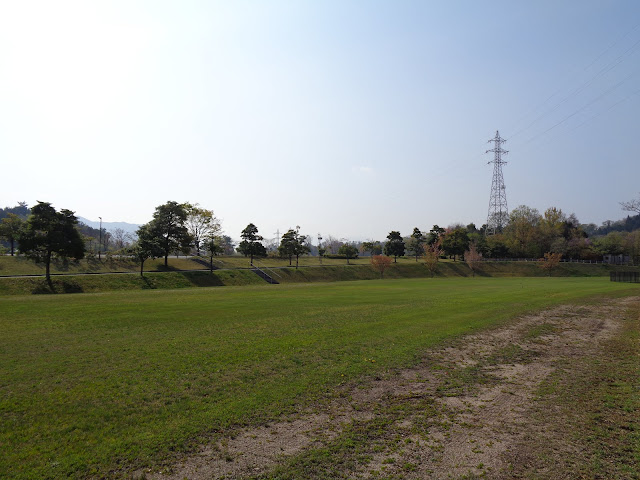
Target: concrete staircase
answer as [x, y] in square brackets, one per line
[264, 275]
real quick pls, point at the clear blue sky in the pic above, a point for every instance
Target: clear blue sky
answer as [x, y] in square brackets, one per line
[348, 118]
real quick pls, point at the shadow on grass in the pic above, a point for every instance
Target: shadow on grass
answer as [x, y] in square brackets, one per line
[42, 287]
[459, 269]
[203, 279]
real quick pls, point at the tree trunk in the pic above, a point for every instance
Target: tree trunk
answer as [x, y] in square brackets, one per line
[142, 268]
[12, 241]
[297, 261]
[166, 260]
[48, 270]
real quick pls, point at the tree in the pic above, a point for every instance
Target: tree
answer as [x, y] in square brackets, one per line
[435, 234]
[374, 248]
[121, 238]
[10, 229]
[631, 205]
[455, 242]
[432, 256]
[473, 258]
[380, 263]
[522, 233]
[147, 246]
[213, 246]
[201, 224]
[169, 226]
[47, 232]
[293, 244]
[394, 246]
[550, 261]
[251, 244]
[416, 243]
[348, 250]
[227, 244]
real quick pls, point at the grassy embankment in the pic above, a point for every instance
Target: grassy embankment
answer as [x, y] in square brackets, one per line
[99, 384]
[185, 273]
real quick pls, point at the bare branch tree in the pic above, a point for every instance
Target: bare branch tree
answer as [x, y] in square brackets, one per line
[473, 258]
[432, 255]
[631, 205]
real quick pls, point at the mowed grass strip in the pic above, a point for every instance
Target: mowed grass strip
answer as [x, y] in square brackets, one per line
[100, 383]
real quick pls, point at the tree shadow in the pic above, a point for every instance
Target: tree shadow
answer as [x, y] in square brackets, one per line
[58, 286]
[203, 279]
[458, 269]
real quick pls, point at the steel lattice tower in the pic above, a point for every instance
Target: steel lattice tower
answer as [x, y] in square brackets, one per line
[498, 212]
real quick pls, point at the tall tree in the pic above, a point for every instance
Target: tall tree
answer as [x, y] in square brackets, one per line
[394, 246]
[455, 242]
[47, 232]
[293, 244]
[214, 247]
[435, 234]
[169, 226]
[147, 246]
[10, 229]
[201, 223]
[251, 244]
[416, 243]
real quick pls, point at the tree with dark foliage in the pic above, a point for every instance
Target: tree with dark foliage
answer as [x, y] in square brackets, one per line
[48, 232]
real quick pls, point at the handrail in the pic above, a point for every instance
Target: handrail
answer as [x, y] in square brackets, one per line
[266, 268]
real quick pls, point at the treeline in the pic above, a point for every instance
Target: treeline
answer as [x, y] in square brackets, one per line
[42, 233]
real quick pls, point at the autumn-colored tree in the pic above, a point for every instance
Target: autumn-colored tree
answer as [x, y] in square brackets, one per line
[432, 256]
[550, 261]
[380, 263]
[473, 258]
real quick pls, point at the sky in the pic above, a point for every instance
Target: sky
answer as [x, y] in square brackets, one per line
[346, 118]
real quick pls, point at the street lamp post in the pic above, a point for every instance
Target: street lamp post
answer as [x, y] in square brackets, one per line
[100, 244]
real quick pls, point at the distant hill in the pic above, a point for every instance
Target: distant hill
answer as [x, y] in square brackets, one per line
[127, 227]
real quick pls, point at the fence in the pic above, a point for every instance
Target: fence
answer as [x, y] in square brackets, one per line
[631, 277]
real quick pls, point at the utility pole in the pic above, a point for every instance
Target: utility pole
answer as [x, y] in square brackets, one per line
[498, 212]
[100, 245]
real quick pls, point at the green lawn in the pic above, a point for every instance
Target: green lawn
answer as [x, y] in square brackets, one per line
[98, 383]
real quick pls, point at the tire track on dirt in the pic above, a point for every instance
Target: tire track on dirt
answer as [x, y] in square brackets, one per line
[481, 388]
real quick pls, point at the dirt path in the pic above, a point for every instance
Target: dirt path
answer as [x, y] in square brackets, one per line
[465, 411]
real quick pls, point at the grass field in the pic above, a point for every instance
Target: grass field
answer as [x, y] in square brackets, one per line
[186, 273]
[101, 384]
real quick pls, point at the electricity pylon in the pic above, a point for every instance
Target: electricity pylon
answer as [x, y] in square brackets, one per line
[498, 212]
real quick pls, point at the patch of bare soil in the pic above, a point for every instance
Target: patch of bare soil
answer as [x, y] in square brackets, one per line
[480, 391]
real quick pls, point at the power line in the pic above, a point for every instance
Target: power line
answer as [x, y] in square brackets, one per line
[607, 68]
